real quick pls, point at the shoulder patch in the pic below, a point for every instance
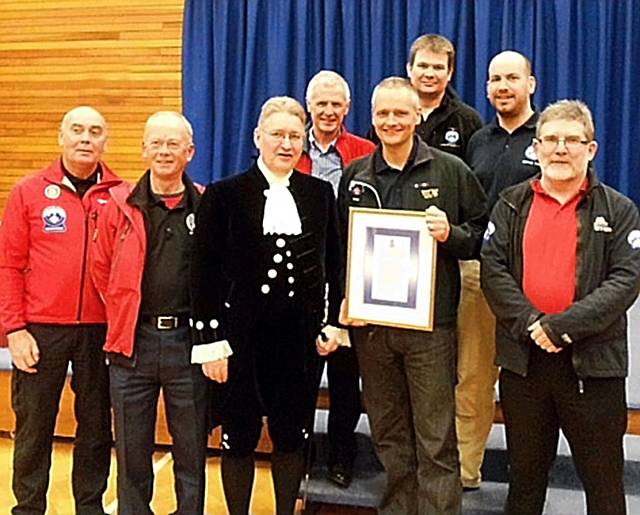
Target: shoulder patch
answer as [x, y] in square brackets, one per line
[634, 239]
[491, 228]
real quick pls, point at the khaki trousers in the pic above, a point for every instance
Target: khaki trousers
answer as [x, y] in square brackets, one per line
[477, 374]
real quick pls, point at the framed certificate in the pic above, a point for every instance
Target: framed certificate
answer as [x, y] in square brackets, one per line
[391, 267]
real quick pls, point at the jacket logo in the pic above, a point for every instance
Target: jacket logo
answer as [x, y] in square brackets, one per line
[491, 228]
[52, 191]
[356, 191]
[530, 153]
[55, 219]
[600, 224]
[430, 193]
[634, 239]
[190, 222]
[452, 136]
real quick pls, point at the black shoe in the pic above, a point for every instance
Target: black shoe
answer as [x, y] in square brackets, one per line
[340, 474]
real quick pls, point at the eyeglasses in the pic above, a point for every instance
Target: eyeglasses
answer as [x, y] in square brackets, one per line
[279, 136]
[551, 142]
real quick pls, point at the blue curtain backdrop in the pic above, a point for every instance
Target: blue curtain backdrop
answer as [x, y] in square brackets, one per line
[237, 53]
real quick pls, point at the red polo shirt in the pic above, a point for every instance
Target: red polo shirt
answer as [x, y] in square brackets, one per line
[549, 250]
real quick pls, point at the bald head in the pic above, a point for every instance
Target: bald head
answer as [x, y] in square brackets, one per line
[510, 86]
[83, 140]
[83, 113]
[511, 59]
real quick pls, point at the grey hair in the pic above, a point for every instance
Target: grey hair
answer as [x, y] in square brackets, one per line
[328, 78]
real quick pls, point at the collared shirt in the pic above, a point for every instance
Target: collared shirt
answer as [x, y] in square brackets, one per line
[325, 164]
[389, 178]
[501, 159]
[165, 281]
[549, 247]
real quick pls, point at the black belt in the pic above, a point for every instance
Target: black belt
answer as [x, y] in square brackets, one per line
[164, 322]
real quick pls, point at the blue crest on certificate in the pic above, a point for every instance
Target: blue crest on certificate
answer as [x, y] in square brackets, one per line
[391, 267]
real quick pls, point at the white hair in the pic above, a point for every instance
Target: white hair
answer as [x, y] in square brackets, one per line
[328, 78]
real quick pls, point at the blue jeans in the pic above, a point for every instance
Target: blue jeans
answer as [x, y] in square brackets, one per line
[162, 360]
[408, 384]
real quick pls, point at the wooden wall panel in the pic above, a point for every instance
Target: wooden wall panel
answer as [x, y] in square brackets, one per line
[122, 57]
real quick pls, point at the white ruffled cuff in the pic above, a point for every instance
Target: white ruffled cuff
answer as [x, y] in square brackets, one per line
[210, 351]
[339, 333]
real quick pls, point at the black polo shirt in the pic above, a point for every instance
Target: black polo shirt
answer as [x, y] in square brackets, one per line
[388, 178]
[500, 159]
[165, 281]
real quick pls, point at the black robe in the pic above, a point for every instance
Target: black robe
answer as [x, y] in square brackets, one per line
[270, 322]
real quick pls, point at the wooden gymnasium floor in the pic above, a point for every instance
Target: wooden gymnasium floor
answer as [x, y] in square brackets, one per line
[61, 501]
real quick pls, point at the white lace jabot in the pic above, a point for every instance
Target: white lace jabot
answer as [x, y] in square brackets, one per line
[280, 211]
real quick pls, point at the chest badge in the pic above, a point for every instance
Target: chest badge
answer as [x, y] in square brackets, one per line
[190, 222]
[52, 191]
[600, 224]
[530, 153]
[430, 193]
[54, 219]
[356, 192]
[452, 136]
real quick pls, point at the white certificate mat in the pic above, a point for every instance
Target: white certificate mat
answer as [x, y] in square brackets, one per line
[390, 268]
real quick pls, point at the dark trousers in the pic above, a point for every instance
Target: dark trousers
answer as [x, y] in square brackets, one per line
[162, 361]
[36, 398]
[345, 408]
[408, 384]
[593, 417]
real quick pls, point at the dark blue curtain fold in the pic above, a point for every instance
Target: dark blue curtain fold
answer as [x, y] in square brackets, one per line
[237, 53]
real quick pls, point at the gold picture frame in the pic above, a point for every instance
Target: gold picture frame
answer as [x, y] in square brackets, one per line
[391, 268]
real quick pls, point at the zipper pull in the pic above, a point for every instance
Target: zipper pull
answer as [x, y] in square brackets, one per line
[94, 218]
[580, 386]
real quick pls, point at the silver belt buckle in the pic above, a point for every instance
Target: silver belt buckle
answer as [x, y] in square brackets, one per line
[166, 322]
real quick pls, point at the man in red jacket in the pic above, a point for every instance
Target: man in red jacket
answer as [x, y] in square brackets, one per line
[329, 149]
[53, 316]
[142, 255]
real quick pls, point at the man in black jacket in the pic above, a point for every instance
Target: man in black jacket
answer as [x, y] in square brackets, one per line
[445, 122]
[409, 376]
[561, 266]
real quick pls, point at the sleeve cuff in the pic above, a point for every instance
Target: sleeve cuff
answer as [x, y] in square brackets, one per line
[339, 333]
[210, 352]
